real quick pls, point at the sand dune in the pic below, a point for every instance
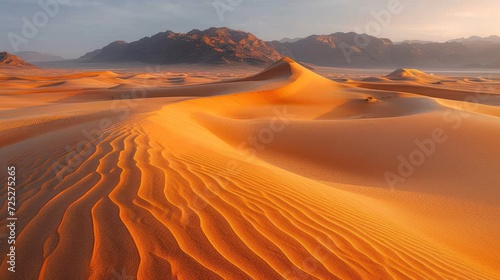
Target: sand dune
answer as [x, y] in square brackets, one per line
[411, 74]
[279, 175]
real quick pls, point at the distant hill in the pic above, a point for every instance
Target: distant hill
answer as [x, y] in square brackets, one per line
[35, 57]
[356, 50]
[7, 59]
[288, 40]
[338, 49]
[413, 42]
[211, 46]
[493, 39]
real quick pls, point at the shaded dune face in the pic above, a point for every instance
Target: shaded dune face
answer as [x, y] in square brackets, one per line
[279, 175]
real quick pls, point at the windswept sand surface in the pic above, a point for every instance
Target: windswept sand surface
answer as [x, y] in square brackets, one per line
[281, 175]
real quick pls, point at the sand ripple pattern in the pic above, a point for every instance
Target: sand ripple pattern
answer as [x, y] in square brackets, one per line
[178, 216]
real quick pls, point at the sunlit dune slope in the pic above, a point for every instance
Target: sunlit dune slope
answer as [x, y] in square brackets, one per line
[281, 175]
[409, 74]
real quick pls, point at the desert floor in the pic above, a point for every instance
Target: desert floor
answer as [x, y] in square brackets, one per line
[220, 174]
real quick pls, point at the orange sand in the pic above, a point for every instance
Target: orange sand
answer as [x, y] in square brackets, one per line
[277, 175]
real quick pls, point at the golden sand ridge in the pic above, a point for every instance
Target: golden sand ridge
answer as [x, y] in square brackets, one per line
[281, 175]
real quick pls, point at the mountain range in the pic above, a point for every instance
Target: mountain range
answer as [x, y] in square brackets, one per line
[361, 50]
[225, 46]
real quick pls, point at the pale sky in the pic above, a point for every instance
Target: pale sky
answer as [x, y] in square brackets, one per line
[79, 26]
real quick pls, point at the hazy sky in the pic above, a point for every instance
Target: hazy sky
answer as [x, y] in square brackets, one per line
[78, 26]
